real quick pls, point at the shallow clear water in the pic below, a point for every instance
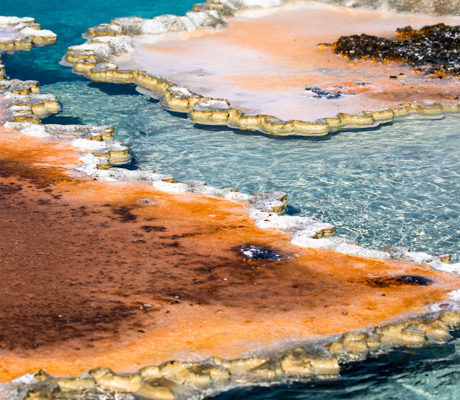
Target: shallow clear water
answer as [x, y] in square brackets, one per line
[396, 185]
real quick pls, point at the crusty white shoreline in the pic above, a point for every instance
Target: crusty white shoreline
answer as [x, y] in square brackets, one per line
[291, 361]
[108, 40]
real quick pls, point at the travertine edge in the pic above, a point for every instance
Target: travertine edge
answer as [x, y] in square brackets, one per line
[24, 34]
[106, 40]
[26, 106]
[301, 362]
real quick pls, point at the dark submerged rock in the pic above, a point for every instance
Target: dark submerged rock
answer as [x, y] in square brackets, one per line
[253, 252]
[382, 282]
[319, 93]
[415, 280]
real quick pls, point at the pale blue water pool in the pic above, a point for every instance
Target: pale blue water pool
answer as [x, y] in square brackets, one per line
[396, 185]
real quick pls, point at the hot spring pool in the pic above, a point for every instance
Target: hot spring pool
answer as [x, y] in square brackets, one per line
[395, 185]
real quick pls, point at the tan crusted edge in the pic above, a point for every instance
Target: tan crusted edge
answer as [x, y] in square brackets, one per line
[178, 102]
[174, 379]
[160, 382]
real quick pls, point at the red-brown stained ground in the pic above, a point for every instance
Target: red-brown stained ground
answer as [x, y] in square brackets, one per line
[91, 276]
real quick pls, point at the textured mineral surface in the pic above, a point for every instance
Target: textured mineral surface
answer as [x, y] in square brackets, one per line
[17, 34]
[432, 7]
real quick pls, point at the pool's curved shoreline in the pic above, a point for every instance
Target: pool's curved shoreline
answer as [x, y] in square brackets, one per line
[170, 380]
[105, 42]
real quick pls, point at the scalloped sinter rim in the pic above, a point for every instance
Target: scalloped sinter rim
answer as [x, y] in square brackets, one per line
[214, 111]
[427, 329]
[186, 380]
[22, 99]
[27, 105]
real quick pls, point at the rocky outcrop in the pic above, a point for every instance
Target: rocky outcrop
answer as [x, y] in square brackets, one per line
[433, 49]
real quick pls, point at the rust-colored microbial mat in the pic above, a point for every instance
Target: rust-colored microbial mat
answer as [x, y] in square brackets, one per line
[121, 276]
[263, 61]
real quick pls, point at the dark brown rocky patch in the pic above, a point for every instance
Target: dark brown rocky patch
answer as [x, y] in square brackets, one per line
[432, 49]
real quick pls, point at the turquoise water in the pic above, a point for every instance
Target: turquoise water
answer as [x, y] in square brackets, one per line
[396, 185]
[69, 19]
